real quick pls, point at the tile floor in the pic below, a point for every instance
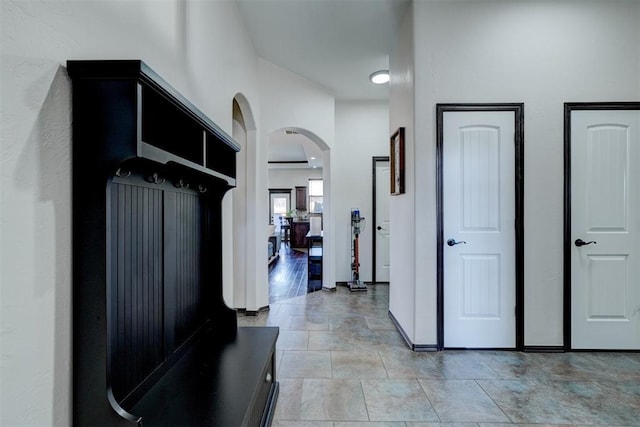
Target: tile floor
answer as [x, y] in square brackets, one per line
[342, 363]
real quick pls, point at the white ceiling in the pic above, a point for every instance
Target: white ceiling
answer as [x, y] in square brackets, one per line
[334, 43]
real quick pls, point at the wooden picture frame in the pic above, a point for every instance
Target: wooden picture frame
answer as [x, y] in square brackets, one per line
[397, 162]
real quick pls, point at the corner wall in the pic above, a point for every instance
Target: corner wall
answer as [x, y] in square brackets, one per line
[403, 287]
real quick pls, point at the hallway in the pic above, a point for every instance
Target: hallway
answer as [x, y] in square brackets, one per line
[342, 363]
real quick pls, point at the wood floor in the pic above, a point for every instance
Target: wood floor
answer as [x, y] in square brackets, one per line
[288, 275]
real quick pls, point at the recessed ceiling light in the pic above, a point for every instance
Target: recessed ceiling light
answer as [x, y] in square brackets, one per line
[379, 77]
[312, 158]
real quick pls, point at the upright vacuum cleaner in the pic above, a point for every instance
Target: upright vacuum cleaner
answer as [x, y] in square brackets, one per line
[357, 227]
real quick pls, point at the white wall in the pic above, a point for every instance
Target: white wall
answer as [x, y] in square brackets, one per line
[234, 225]
[541, 53]
[291, 178]
[403, 286]
[362, 131]
[310, 109]
[193, 45]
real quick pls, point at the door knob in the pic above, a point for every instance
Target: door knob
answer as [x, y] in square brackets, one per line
[452, 242]
[580, 242]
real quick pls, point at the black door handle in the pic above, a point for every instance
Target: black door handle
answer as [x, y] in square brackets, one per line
[379, 228]
[580, 242]
[452, 242]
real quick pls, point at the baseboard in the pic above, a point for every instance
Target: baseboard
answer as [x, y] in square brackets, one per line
[250, 313]
[424, 347]
[366, 283]
[543, 349]
[412, 346]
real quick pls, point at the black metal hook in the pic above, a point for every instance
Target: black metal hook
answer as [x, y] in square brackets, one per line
[155, 178]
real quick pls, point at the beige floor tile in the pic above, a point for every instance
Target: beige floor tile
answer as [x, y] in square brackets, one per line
[397, 400]
[336, 399]
[357, 364]
[305, 364]
[461, 401]
[293, 340]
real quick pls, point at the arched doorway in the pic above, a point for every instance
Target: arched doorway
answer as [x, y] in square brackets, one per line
[240, 226]
[298, 164]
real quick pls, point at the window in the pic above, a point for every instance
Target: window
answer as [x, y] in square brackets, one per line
[279, 204]
[315, 195]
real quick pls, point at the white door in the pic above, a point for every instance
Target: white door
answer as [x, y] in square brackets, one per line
[383, 226]
[605, 210]
[479, 229]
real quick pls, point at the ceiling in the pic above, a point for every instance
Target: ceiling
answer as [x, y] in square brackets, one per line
[336, 44]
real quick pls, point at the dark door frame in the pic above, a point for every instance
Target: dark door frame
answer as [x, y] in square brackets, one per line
[374, 220]
[518, 109]
[568, 108]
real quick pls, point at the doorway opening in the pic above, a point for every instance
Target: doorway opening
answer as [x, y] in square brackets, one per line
[298, 167]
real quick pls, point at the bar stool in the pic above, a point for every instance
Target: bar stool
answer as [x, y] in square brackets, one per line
[285, 227]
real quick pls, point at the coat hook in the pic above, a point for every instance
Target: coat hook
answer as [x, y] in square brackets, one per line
[202, 188]
[122, 173]
[181, 183]
[155, 178]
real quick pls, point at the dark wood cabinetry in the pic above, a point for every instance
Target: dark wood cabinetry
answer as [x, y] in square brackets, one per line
[299, 230]
[301, 198]
[154, 341]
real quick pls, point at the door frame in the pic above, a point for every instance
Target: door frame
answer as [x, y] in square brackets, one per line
[518, 110]
[374, 164]
[568, 108]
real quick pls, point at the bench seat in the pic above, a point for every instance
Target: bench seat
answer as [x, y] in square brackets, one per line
[217, 384]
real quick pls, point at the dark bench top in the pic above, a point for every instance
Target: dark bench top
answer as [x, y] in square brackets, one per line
[213, 384]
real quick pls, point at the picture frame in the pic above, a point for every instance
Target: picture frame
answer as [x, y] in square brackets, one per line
[397, 162]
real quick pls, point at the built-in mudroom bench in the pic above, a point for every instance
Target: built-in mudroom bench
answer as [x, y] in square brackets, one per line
[153, 340]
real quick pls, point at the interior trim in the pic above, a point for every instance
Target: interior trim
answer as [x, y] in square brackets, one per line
[405, 337]
[518, 109]
[543, 349]
[287, 162]
[374, 163]
[568, 108]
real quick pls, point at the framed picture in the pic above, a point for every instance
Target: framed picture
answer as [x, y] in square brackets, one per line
[397, 162]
